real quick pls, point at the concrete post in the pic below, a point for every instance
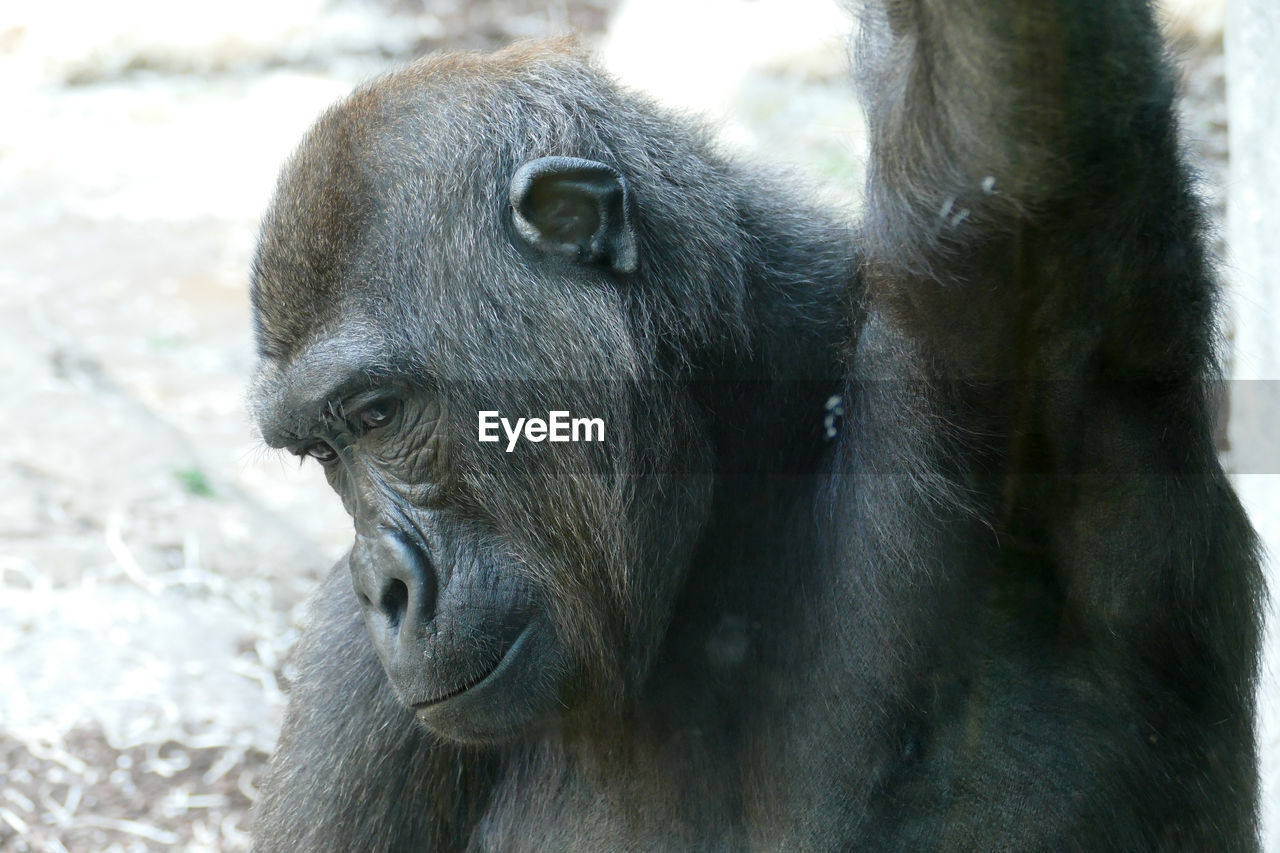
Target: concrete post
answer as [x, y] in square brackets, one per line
[1253, 271]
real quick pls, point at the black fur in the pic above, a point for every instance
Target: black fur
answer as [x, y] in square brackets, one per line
[1014, 605]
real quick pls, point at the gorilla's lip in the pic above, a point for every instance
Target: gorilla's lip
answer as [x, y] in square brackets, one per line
[503, 664]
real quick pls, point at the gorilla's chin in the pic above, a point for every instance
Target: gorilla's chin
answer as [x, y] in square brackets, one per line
[511, 700]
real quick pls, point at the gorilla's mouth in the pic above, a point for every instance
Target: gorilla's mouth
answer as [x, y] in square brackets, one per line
[493, 673]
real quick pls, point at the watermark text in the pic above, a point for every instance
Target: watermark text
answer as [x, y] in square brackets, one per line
[558, 426]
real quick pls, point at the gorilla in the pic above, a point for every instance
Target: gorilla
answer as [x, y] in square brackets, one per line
[904, 535]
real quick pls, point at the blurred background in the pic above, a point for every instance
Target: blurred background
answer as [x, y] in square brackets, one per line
[153, 556]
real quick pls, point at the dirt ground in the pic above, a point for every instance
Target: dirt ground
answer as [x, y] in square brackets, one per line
[153, 557]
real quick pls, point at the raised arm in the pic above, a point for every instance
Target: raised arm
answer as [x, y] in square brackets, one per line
[1036, 258]
[1028, 215]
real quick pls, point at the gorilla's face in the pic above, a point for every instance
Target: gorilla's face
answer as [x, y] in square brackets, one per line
[505, 581]
[462, 628]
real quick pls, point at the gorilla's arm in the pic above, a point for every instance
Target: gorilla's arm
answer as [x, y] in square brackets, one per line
[348, 740]
[1027, 206]
[1033, 240]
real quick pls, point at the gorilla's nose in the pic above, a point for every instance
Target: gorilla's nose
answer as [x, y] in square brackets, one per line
[396, 586]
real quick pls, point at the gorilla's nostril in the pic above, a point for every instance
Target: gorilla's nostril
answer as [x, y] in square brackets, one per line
[394, 602]
[394, 582]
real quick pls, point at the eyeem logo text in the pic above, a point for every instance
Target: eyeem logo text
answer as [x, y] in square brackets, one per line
[557, 427]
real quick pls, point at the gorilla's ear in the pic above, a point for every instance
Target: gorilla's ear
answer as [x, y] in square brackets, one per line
[575, 207]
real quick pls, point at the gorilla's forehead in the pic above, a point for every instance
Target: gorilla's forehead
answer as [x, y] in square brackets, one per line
[395, 209]
[379, 193]
[310, 237]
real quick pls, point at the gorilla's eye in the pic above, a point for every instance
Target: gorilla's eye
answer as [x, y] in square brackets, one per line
[321, 452]
[378, 414]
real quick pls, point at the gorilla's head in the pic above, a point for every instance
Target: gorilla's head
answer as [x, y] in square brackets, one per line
[504, 234]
